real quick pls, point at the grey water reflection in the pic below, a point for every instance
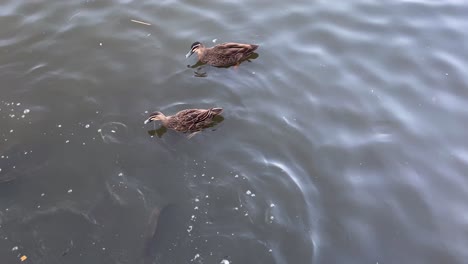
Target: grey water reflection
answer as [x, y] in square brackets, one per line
[344, 141]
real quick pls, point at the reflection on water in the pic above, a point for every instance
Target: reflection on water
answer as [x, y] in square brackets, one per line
[343, 141]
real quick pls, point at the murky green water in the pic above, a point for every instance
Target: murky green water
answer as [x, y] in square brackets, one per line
[344, 141]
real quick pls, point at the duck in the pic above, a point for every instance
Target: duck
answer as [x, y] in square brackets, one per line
[189, 121]
[222, 55]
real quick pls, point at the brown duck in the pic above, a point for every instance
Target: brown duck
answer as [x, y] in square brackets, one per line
[187, 121]
[222, 55]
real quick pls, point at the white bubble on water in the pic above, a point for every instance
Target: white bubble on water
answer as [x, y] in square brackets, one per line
[26, 111]
[87, 126]
[70, 191]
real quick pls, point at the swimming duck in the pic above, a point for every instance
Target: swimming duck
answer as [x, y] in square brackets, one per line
[222, 55]
[188, 121]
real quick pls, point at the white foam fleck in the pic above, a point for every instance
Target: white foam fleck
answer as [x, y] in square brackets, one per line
[70, 191]
[272, 205]
[214, 40]
[248, 192]
[26, 111]
[59, 125]
[14, 248]
[86, 126]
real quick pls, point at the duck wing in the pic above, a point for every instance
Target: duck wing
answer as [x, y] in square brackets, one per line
[231, 49]
[195, 119]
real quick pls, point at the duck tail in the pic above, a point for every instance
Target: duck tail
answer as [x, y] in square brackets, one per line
[216, 110]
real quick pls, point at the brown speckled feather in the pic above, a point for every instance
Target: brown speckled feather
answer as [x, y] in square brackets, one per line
[192, 120]
[226, 54]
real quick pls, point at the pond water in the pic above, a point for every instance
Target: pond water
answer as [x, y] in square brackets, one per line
[343, 141]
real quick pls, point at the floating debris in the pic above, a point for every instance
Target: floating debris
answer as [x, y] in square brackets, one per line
[225, 261]
[140, 22]
[23, 258]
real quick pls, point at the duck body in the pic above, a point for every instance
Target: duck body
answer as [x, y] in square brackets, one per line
[188, 120]
[222, 55]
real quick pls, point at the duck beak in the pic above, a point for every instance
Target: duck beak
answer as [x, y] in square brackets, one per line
[148, 120]
[189, 54]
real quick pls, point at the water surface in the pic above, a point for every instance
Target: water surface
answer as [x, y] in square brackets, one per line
[344, 141]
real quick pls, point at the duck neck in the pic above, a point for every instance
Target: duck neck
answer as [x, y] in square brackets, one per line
[164, 120]
[200, 53]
